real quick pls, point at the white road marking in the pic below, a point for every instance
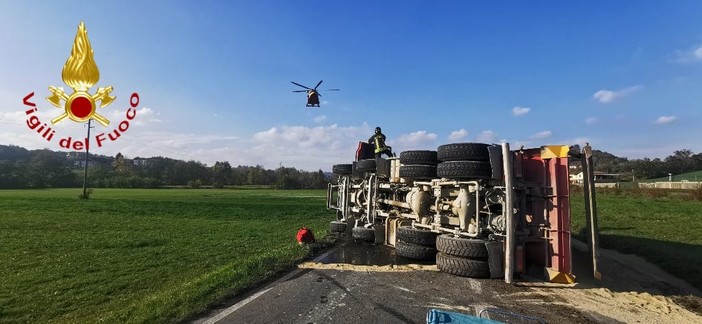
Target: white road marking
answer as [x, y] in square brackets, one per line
[235, 307]
[243, 303]
[403, 289]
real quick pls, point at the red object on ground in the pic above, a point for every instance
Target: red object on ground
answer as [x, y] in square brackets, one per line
[304, 235]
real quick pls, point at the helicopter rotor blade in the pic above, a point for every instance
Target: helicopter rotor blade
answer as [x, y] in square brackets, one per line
[332, 89]
[300, 90]
[320, 82]
[299, 85]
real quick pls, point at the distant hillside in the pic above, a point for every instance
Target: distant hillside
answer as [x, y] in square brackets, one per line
[22, 168]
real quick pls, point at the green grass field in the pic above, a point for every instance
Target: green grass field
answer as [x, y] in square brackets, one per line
[143, 255]
[667, 231]
[130, 255]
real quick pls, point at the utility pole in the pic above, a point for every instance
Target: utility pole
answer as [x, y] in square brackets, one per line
[85, 170]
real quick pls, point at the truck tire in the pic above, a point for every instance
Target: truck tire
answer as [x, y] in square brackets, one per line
[341, 169]
[366, 165]
[463, 170]
[337, 227]
[363, 234]
[461, 247]
[463, 152]
[462, 267]
[414, 251]
[409, 234]
[418, 171]
[418, 157]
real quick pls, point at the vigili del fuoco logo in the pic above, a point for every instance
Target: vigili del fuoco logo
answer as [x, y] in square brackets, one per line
[80, 73]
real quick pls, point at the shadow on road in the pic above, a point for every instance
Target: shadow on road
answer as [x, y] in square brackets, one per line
[363, 253]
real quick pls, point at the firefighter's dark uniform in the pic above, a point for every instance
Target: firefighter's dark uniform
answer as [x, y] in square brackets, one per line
[378, 142]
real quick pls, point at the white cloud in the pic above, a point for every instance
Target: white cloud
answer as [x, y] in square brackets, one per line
[542, 135]
[604, 96]
[458, 135]
[607, 96]
[148, 116]
[270, 134]
[691, 55]
[144, 116]
[309, 148]
[591, 120]
[665, 120]
[415, 141]
[185, 146]
[320, 118]
[487, 136]
[15, 117]
[518, 111]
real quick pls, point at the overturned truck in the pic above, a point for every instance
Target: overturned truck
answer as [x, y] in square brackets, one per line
[479, 210]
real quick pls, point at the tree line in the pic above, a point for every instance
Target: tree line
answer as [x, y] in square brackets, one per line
[681, 161]
[21, 168]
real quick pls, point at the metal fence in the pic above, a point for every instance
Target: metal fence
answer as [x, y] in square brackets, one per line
[690, 185]
[606, 184]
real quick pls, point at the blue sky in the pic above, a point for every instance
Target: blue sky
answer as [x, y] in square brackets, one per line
[214, 76]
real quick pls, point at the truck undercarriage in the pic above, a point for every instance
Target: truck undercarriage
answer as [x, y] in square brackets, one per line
[479, 210]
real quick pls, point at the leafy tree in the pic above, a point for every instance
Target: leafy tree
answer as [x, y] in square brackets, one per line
[680, 162]
[11, 175]
[122, 167]
[221, 174]
[47, 169]
[14, 153]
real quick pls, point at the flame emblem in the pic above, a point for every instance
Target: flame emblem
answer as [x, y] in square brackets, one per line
[80, 73]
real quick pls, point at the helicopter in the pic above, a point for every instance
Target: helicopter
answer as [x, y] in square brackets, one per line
[312, 93]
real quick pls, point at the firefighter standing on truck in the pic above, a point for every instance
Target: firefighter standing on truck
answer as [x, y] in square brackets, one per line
[378, 142]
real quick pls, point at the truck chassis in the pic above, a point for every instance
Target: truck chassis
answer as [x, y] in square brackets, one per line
[479, 210]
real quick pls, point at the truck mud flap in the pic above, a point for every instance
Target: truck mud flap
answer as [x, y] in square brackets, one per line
[495, 259]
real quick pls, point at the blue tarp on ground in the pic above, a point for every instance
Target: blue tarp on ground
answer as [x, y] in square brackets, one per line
[437, 316]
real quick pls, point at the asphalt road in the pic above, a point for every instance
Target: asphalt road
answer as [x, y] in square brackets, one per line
[363, 283]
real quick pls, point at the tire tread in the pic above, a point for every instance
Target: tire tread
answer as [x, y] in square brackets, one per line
[463, 152]
[418, 157]
[414, 251]
[461, 247]
[364, 234]
[462, 267]
[409, 234]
